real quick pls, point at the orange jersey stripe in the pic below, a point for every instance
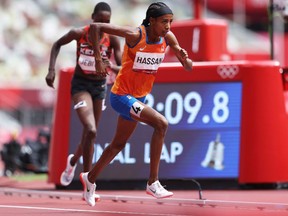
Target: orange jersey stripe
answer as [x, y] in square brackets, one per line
[139, 66]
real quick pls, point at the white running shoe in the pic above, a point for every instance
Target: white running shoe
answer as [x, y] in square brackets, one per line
[96, 196]
[68, 174]
[157, 190]
[89, 189]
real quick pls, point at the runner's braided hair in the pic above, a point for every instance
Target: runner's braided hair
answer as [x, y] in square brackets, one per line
[155, 10]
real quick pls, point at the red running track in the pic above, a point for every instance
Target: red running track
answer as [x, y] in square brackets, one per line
[258, 203]
[30, 200]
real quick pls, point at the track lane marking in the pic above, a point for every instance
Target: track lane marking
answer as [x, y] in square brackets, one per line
[87, 211]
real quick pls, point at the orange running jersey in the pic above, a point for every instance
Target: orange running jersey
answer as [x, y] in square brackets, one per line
[139, 66]
[85, 53]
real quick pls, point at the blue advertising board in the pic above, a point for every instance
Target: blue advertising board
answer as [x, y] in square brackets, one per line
[202, 141]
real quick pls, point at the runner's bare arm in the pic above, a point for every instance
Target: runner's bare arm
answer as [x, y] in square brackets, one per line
[130, 34]
[180, 53]
[73, 34]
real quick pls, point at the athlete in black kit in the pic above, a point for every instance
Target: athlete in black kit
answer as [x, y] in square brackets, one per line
[88, 88]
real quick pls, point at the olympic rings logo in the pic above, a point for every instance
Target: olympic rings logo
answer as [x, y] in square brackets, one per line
[228, 71]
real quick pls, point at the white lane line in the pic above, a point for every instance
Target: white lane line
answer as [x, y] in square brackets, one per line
[123, 198]
[86, 211]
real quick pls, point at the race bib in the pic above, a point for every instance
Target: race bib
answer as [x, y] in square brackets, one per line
[147, 62]
[87, 63]
[136, 109]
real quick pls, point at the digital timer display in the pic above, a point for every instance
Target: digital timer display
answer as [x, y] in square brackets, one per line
[198, 105]
[202, 140]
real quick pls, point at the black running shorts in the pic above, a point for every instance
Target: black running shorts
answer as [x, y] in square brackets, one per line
[97, 88]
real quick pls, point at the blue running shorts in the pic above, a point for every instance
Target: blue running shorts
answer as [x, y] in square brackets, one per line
[123, 104]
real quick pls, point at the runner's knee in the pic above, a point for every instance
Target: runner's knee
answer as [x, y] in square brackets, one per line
[161, 125]
[90, 132]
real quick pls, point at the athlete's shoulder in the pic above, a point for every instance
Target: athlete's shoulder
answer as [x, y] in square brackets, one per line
[134, 37]
[78, 32]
